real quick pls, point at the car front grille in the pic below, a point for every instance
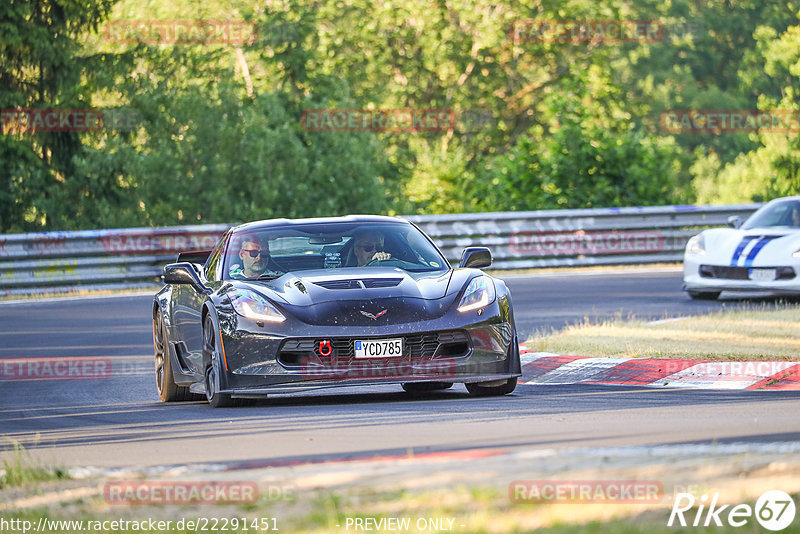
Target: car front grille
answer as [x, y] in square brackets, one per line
[742, 273]
[299, 352]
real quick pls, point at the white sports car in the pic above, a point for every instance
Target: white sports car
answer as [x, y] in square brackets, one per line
[763, 254]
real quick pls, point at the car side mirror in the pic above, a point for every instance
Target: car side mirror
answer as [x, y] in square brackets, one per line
[476, 257]
[734, 221]
[183, 273]
[194, 256]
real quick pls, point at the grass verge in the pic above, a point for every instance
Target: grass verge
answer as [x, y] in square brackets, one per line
[769, 333]
[149, 290]
[458, 509]
[21, 470]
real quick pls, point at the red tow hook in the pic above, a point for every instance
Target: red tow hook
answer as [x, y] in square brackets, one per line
[325, 348]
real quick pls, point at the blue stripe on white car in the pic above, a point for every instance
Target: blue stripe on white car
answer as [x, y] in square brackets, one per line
[740, 248]
[756, 249]
[748, 249]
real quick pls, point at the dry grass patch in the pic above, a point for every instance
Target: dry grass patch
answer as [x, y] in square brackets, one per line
[761, 334]
[149, 290]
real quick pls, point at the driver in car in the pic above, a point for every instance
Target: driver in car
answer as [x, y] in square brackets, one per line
[254, 254]
[368, 246]
[796, 215]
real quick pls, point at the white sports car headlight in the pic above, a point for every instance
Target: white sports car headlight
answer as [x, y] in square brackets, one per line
[253, 306]
[796, 254]
[479, 293]
[696, 245]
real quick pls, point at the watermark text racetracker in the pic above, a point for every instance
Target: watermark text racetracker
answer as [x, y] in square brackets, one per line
[171, 32]
[387, 370]
[681, 121]
[586, 491]
[32, 120]
[378, 120]
[735, 370]
[586, 31]
[180, 493]
[602, 30]
[55, 368]
[585, 242]
[155, 242]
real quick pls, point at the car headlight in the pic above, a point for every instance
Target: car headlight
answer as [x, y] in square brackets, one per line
[796, 254]
[479, 293]
[696, 245]
[253, 306]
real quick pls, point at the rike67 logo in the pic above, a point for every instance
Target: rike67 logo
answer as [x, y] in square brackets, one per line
[774, 510]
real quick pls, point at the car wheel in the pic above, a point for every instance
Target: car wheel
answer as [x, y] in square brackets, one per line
[213, 369]
[168, 390]
[490, 389]
[424, 387]
[704, 295]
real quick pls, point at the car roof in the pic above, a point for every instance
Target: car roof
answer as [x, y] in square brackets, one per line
[779, 199]
[284, 223]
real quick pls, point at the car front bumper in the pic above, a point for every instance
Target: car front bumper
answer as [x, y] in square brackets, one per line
[457, 347]
[728, 278]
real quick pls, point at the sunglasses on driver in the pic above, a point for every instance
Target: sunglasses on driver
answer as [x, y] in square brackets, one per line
[369, 247]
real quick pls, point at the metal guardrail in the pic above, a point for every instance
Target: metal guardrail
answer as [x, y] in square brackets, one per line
[557, 238]
[52, 262]
[129, 258]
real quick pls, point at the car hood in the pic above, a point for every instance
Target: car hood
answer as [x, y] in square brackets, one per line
[358, 297]
[746, 247]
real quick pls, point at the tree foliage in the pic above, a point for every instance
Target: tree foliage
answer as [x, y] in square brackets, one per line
[589, 155]
[41, 66]
[218, 137]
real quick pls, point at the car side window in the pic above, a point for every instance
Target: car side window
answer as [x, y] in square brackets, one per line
[214, 257]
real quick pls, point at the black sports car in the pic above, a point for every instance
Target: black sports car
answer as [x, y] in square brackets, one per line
[285, 305]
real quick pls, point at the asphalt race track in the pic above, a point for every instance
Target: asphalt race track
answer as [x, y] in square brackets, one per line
[552, 301]
[117, 420]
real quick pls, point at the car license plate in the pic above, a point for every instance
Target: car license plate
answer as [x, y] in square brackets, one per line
[763, 275]
[379, 348]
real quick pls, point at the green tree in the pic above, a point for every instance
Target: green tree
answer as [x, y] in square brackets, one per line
[210, 150]
[41, 67]
[590, 155]
[538, 124]
[773, 168]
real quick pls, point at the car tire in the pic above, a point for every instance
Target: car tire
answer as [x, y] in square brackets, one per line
[425, 387]
[168, 390]
[213, 368]
[480, 389]
[703, 295]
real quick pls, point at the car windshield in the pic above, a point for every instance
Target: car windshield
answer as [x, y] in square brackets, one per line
[254, 253]
[781, 214]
